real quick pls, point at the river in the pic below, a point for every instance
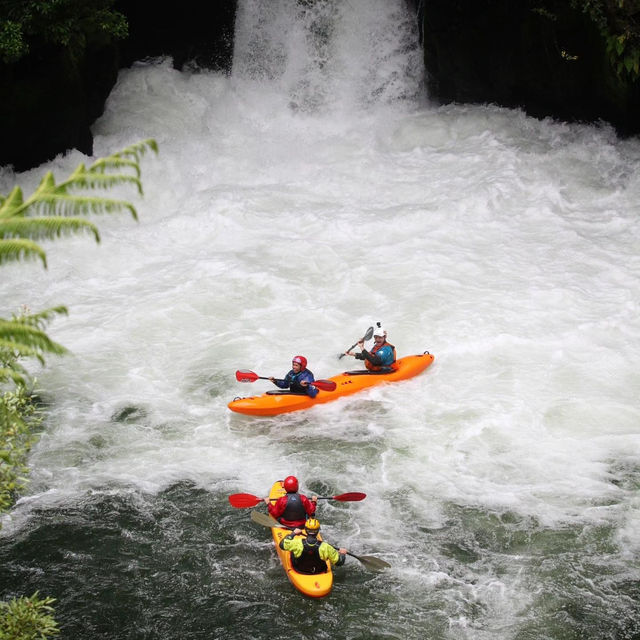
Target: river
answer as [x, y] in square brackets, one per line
[294, 202]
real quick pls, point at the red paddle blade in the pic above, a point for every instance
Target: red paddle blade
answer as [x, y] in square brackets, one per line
[244, 375]
[244, 500]
[354, 496]
[325, 385]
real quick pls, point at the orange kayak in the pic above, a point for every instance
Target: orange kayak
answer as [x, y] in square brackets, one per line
[274, 403]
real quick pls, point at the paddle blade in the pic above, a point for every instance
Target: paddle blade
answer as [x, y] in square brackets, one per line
[244, 500]
[325, 385]
[244, 375]
[265, 520]
[371, 562]
[354, 496]
[368, 335]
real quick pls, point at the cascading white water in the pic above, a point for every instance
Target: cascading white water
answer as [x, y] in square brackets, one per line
[313, 192]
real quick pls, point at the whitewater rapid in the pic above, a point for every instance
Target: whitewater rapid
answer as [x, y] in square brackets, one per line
[290, 207]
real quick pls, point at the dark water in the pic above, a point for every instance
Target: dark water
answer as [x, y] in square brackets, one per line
[183, 564]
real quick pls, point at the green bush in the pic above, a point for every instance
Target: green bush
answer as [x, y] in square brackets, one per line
[27, 618]
[73, 24]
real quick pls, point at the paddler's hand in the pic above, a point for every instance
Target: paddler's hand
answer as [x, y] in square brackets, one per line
[314, 499]
[304, 383]
[361, 344]
[297, 532]
[266, 500]
[348, 353]
[342, 551]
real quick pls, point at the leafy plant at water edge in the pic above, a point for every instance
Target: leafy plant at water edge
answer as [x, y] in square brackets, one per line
[22, 337]
[52, 211]
[19, 421]
[27, 619]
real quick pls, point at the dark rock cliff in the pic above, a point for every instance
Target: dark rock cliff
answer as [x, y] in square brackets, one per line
[538, 55]
[544, 57]
[49, 100]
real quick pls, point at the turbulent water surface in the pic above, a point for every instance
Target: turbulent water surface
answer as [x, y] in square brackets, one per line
[310, 193]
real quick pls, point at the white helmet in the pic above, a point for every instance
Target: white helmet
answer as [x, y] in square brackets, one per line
[379, 331]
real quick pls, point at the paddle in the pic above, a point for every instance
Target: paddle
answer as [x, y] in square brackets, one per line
[243, 500]
[370, 562]
[367, 336]
[244, 375]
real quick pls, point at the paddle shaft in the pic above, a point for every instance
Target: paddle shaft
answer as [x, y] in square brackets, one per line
[370, 562]
[243, 375]
[244, 500]
[367, 336]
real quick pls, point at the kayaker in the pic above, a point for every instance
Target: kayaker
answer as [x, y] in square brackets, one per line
[293, 508]
[382, 354]
[299, 379]
[308, 554]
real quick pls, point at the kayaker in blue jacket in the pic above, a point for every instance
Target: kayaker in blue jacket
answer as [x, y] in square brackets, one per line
[382, 355]
[308, 554]
[299, 379]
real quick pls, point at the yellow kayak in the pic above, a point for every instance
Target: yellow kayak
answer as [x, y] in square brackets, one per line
[314, 585]
[273, 403]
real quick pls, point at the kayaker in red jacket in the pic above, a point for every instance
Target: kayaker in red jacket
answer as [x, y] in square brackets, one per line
[293, 508]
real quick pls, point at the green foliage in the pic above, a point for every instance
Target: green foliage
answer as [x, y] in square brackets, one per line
[24, 337]
[27, 618]
[51, 211]
[73, 24]
[55, 209]
[619, 24]
[19, 420]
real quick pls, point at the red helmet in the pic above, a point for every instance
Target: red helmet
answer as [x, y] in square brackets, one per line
[301, 360]
[290, 484]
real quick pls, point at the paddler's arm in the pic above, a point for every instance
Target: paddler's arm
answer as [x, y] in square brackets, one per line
[282, 384]
[291, 543]
[365, 355]
[331, 553]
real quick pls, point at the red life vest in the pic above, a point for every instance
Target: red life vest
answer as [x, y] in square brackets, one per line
[373, 367]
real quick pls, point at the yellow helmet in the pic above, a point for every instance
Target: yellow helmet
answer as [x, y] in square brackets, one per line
[312, 525]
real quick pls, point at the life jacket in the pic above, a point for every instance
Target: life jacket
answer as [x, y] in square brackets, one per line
[294, 511]
[387, 366]
[296, 378]
[309, 560]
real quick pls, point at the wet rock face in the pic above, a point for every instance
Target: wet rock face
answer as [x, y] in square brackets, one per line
[549, 61]
[49, 100]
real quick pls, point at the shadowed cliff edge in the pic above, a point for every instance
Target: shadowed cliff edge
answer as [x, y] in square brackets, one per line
[546, 57]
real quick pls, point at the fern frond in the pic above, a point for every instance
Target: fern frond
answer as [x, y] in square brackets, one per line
[19, 249]
[138, 149]
[97, 180]
[17, 335]
[71, 205]
[19, 350]
[12, 202]
[6, 373]
[45, 227]
[42, 318]
[114, 163]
